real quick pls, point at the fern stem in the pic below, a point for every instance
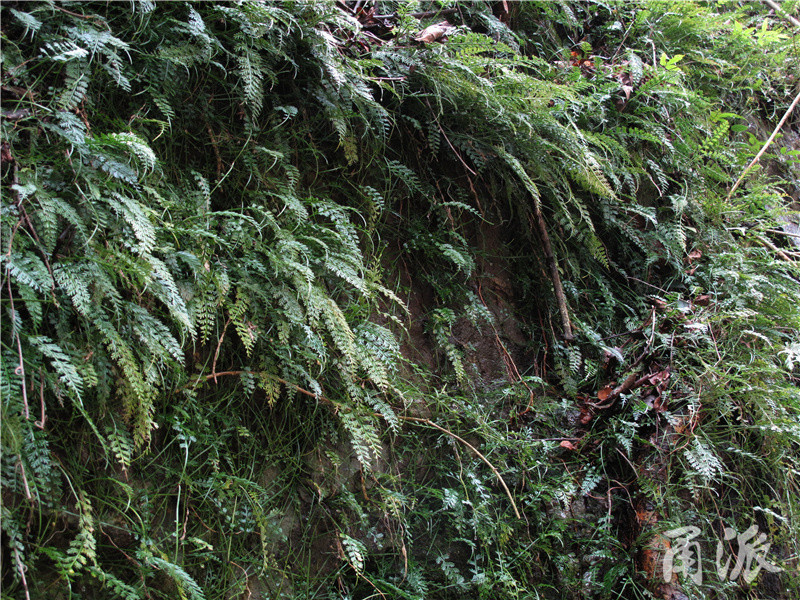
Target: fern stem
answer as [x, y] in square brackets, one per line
[21, 569]
[559, 289]
[216, 352]
[20, 370]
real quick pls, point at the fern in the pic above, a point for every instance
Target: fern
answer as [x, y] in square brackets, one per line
[119, 588]
[251, 70]
[217, 211]
[187, 586]
[82, 550]
[67, 373]
[704, 462]
[355, 553]
[28, 270]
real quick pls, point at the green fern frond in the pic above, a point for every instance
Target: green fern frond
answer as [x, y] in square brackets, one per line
[82, 550]
[252, 71]
[187, 586]
[67, 372]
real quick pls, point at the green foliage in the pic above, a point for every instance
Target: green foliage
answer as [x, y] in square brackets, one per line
[212, 216]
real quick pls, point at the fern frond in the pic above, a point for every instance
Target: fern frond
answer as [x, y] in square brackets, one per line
[251, 70]
[186, 584]
[82, 550]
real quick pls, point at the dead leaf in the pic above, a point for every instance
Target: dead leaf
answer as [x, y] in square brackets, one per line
[703, 300]
[628, 89]
[603, 394]
[568, 445]
[5, 153]
[659, 377]
[434, 32]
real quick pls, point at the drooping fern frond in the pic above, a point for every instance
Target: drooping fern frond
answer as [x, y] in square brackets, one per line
[186, 584]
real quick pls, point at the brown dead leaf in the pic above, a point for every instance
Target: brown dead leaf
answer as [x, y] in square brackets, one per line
[660, 377]
[627, 89]
[434, 32]
[703, 300]
[5, 153]
[680, 425]
[604, 393]
[568, 445]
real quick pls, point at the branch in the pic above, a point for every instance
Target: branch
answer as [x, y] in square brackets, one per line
[20, 370]
[15, 115]
[787, 233]
[434, 13]
[297, 388]
[433, 114]
[630, 383]
[779, 9]
[766, 145]
[421, 15]
[216, 353]
[22, 568]
[778, 252]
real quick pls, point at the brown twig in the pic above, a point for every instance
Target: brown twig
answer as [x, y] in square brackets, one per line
[74, 14]
[786, 233]
[630, 383]
[421, 15]
[41, 424]
[434, 13]
[477, 198]
[215, 146]
[778, 252]
[28, 495]
[16, 115]
[511, 366]
[216, 352]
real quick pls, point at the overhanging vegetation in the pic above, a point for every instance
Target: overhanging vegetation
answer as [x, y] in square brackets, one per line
[338, 300]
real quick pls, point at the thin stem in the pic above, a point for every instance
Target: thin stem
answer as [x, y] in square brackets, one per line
[474, 449]
[20, 370]
[766, 145]
[21, 569]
